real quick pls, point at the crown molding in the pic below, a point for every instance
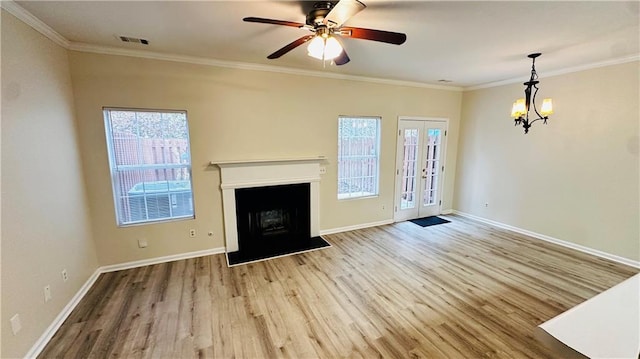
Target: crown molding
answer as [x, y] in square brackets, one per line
[108, 50]
[595, 65]
[18, 11]
[29, 19]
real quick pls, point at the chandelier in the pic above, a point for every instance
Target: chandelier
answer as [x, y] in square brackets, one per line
[520, 109]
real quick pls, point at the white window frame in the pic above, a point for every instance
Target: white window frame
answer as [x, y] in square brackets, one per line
[115, 170]
[376, 176]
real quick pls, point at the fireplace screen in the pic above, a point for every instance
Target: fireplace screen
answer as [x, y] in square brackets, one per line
[273, 222]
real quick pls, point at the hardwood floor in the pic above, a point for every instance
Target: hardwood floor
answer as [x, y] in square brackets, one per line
[458, 290]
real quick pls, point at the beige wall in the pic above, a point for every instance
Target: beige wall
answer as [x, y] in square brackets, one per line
[237, 115]
[45, 220]
[575, 179]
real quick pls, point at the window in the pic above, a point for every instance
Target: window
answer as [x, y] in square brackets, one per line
[150, 165]
[358, 156]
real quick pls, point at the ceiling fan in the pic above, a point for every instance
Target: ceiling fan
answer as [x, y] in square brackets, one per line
[325, 21]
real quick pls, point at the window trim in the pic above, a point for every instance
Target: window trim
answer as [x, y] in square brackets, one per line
[363, 195]
[113, 169]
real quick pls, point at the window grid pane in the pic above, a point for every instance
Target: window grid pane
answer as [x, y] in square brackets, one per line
[358, 156]
[150, 164]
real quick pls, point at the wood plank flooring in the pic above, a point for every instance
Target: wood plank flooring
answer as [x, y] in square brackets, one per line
[457, 290]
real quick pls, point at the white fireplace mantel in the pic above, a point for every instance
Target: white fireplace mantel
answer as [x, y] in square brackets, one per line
[260, 173]
[229, 163]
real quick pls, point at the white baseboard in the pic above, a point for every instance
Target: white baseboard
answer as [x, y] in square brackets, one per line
[577, 247]
[165, 259]
[36, 349]
[64, 314]
[370, 224]
[354, 227]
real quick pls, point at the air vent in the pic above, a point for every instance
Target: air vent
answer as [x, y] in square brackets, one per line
[134, 40]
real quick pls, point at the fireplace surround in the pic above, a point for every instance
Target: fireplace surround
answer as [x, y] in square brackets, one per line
[245, 179]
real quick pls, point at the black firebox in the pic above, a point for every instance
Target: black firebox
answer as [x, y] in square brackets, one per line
[272, 221]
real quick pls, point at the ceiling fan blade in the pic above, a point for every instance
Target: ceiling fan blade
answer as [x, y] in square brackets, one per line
[389, 37]
[342, 59]
[273, 22]
[290, 47]
[343, 11]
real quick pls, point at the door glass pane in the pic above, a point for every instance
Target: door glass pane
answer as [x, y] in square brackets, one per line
[432, 164]
[409, 168]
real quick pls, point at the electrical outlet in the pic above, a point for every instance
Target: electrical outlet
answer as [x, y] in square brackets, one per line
[192, 233]
[47, 293]
[16, 325]
[142, 243]
[323, 170]
[65, 275]
[486, 204]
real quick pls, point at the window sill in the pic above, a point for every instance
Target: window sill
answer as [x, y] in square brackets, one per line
[157, 221]
[363, 196]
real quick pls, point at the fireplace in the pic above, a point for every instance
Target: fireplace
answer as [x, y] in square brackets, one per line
[272, 218]
[270, 207]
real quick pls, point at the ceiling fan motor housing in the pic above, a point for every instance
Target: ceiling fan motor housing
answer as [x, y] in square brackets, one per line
[320, 11]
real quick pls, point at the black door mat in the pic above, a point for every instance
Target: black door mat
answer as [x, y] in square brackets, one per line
[429, 221]
[242, 257]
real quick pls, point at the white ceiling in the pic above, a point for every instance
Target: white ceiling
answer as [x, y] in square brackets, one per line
[469, 43]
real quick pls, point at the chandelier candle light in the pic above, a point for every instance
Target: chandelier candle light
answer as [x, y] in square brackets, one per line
[520, 109]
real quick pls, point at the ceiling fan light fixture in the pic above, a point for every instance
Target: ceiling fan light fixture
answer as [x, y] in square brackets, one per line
[316, 48]
[332, 48]
[323, 48]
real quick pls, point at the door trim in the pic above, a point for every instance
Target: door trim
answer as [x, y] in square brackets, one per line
[397, 184]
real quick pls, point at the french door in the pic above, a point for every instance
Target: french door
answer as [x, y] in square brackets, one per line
[419, 168]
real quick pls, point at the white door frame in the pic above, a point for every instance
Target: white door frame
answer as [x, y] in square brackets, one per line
[398, 166]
